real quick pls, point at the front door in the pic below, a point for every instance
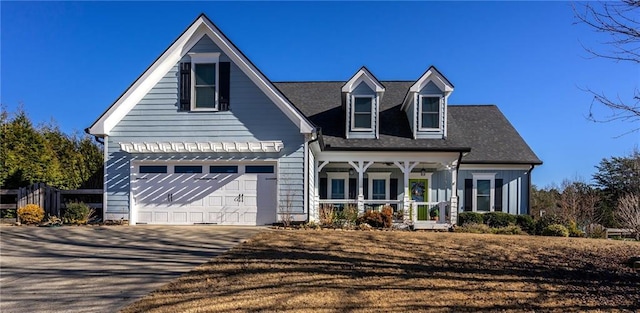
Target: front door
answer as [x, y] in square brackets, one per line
[419, 193]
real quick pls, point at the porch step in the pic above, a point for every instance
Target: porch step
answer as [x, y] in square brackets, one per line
[431, 225]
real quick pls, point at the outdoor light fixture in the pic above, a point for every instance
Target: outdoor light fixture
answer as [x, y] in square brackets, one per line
[423, 172]
[350, 171]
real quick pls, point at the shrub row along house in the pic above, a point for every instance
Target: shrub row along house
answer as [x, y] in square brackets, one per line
[202, 136]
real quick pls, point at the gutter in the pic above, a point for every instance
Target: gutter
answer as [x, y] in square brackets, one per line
[98, 139]
[530, 188]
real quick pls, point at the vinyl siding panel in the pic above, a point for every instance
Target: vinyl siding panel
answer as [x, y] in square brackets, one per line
[515, 190]
[252, 117]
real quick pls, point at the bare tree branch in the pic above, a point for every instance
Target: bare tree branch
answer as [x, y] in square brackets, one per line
[620, 20]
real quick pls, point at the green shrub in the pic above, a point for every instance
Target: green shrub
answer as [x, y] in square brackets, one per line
[574, 231]
[31, 214]
[470, 218]
[556, 230]
[77, 213]
[474, 228]
[526, 223]
[499, 219]
[597, 231]
[547, 220]
[373, 218]
[508, 230]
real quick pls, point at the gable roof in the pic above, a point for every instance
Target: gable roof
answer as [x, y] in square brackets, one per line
[202, 26]
[481, 129]
[363, 75]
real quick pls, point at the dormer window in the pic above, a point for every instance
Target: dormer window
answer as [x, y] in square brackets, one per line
[430, 112]
[362, 114]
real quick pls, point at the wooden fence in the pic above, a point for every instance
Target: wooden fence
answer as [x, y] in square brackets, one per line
[52, 200]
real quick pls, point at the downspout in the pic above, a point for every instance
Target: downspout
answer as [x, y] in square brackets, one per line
[529, 192]
[98, 139]
[318, 132]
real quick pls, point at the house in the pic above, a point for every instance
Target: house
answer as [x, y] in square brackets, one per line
[202, 136]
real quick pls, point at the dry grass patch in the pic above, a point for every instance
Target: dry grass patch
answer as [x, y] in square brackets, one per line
[338, 271]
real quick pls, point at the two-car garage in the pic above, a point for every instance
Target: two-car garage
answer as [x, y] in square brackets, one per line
[222, 194]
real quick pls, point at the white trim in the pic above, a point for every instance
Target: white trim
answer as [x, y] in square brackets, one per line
[200, 27]
[191, 147]
[491, 177]
[337, 175]
[105, 179]
[440, 112]
[204, 58]
[386, 176]
[363, 75]
[353, 112]
[389, 156]
[495, 167]
[430, 75]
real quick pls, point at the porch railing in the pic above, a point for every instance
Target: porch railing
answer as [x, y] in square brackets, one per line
[438, 212]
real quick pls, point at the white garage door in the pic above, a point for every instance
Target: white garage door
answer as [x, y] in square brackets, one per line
[207, 194]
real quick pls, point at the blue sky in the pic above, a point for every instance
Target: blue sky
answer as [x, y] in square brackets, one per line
[68, 61]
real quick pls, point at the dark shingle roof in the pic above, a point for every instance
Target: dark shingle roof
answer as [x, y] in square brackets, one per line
[481, 128]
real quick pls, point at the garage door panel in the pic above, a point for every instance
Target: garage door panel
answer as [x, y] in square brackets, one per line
[226, 199]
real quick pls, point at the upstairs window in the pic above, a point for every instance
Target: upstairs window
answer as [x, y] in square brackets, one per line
[204, 89]
[362, 113]
[204, 83]
[430, 116]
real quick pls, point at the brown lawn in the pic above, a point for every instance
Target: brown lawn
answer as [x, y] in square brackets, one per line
[351, 271]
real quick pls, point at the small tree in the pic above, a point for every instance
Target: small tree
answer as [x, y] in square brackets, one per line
[628, 213]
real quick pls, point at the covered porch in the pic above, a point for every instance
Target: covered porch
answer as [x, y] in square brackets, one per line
[419, 187]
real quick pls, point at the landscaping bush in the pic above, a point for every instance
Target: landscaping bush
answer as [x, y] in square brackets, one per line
[474, 228]
[526, 223]
[387, 216]
[556, 230]
[547, 220]
[508, 230]
[470, 218]
[597, 231]
[373, 218]
[77, 213]
[499, 219]
[31, 214]
[350, 213]
[574, 231]
[327, 215]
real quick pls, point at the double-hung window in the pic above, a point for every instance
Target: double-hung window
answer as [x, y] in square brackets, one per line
[379, 184]
[338, 185]
[362, 116]
[483, 192]
[430, 112]
[204, 75]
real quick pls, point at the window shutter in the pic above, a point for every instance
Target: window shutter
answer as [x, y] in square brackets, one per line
[223, 89]
[468, 195]
[322, 189]
[498, 196]
[393, 189]
[185, 86]
[353, 188]
[365, 188]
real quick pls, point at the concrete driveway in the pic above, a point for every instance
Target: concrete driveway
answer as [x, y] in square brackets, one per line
[101, 269]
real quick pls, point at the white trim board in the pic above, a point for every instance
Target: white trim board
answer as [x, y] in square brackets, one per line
[202, 26]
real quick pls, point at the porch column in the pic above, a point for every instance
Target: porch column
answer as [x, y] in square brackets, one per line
[453, 206]
[406, 168]
[314, 212]
[360, 168]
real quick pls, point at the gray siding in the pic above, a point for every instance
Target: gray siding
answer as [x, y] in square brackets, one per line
[362, 90]
[515, 189]
[253, 117]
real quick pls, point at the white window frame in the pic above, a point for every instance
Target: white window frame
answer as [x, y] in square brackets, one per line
[380, 176]
[337, 175]
[491, 177]
[440, 111]
[204, 58]
[353, 112]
